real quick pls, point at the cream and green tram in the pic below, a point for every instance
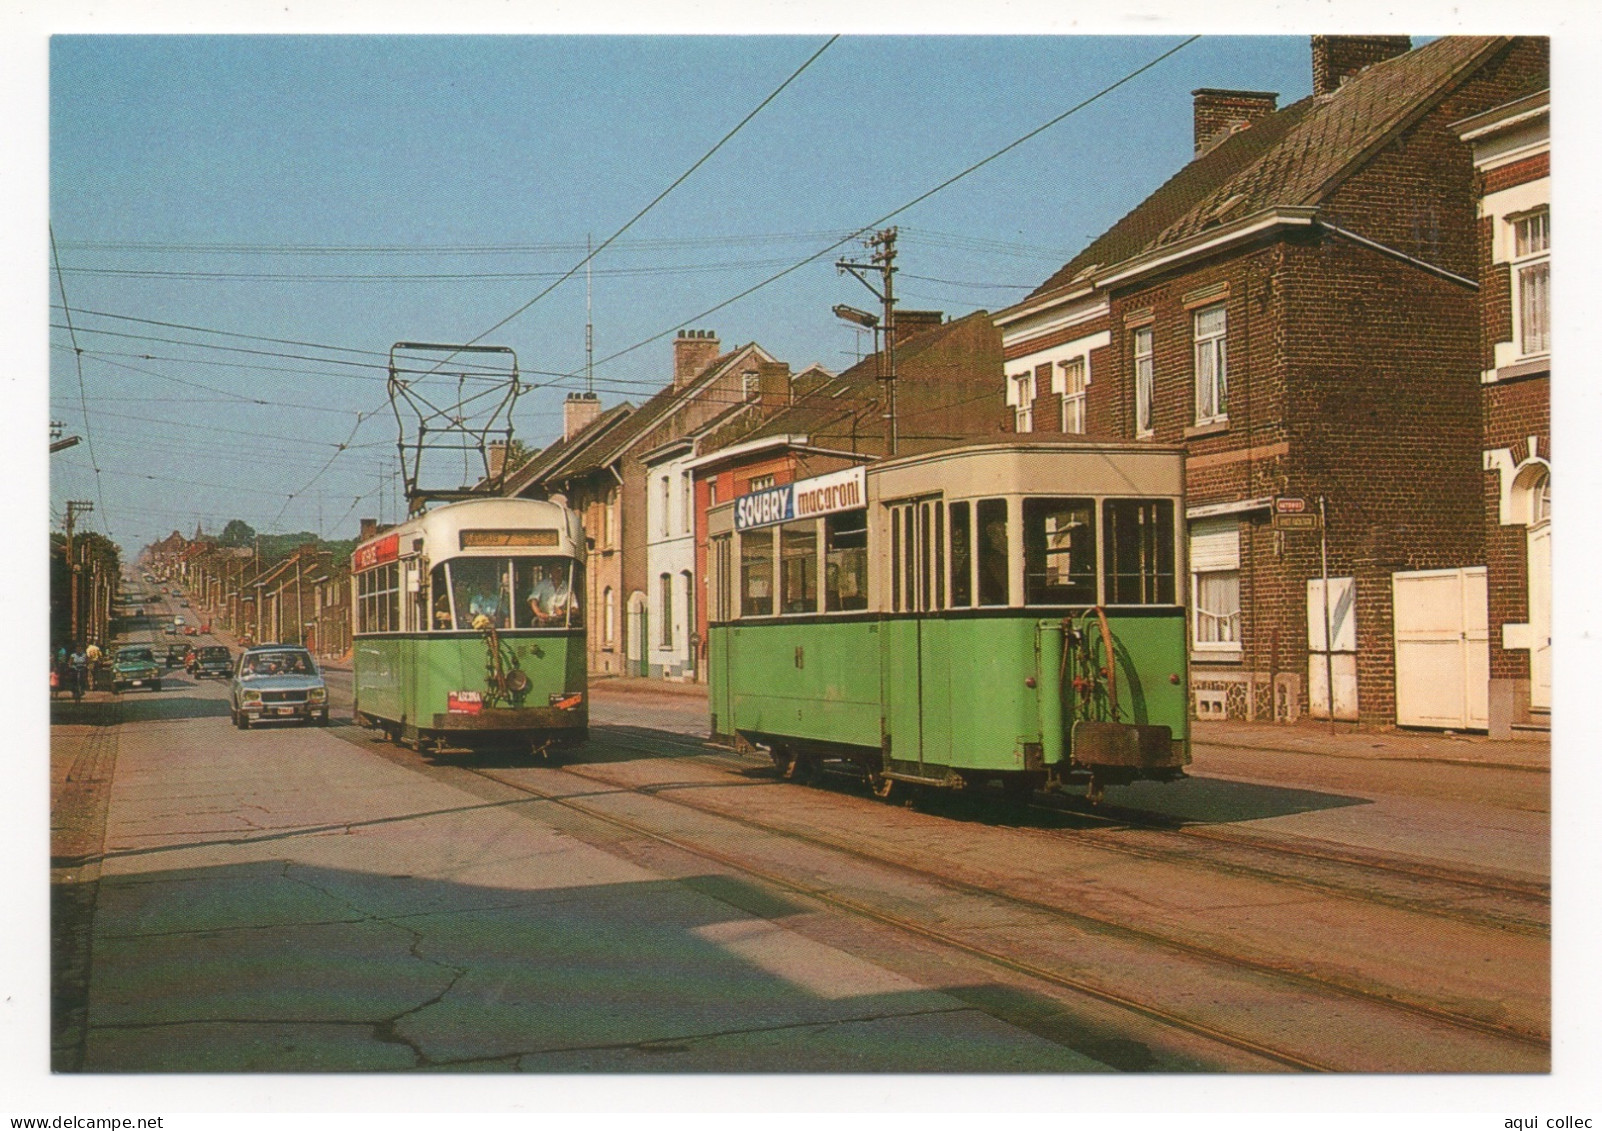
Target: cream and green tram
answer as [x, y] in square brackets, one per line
[468, 627]
[1009, 611]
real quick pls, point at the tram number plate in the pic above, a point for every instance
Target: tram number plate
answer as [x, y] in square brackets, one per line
[286, 710]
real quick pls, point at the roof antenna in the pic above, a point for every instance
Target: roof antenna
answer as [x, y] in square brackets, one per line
[589, 324]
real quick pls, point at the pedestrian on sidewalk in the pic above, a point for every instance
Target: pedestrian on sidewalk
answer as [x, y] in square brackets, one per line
[80, 671]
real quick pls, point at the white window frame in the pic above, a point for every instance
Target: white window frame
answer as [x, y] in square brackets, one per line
[1215, 554]
[1145, 382]
[1531, 246]
[666, 525]
[1075, 380]
[1211, 362]
[1023, 398]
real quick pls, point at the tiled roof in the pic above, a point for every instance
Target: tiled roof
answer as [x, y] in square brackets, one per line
[1295, 157]
[548, 459]
[649, 414]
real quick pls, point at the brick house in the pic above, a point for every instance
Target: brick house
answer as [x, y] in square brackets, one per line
[1299, 307]
[1512, 155]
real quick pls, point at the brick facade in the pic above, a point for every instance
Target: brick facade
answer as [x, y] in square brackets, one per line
[1353, 376]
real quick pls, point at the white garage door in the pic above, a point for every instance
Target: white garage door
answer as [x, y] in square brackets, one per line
[1443, 656]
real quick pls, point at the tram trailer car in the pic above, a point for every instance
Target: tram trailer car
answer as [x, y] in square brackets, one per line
[469, 628]
[946, 619]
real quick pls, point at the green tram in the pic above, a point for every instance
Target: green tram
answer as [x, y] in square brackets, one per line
[1005, 612]
[469, 628]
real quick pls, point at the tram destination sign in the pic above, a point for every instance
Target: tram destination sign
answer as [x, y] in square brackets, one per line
[805, 498]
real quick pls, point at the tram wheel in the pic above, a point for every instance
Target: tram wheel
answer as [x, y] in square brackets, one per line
[885, 789]
[783, 762]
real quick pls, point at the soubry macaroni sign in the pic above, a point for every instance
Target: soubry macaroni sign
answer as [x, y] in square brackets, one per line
[806, 498]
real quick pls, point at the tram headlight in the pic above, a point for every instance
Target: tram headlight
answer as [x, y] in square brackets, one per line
[317, 695]
[251, 697]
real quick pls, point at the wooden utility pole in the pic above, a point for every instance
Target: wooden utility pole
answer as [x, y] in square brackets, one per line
[882, 263]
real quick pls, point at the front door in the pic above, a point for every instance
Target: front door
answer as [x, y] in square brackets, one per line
[1540, 567]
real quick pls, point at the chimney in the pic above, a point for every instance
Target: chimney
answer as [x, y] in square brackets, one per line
[578, 412]
[1220, 113]
[910, 322]
[1337, 58]
[497, 457]
[693, 351]
[773, 383]
[369, 529]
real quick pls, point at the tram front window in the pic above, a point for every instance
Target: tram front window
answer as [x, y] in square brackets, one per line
[1059, 552]
[550, 593]
[845, 537]
[1140, 551]
[480, 588]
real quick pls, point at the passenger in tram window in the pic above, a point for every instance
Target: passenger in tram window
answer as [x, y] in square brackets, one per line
[542, 597]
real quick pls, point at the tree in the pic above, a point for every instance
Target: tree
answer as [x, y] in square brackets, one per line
[237, 533]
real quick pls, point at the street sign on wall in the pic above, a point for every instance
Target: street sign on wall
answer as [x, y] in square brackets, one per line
[1292, 513]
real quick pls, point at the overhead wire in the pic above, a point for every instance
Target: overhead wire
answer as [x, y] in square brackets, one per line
[88, 432]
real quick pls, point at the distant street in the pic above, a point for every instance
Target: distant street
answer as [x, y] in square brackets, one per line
[309, 899]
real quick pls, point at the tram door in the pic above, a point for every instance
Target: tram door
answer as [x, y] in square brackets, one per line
[913, 644]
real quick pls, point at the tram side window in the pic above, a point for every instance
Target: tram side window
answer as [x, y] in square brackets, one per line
[961, 557]
[845, 538]
[756, 573]
[443, 618]
[378, 599]
[991, 515]
[721, 577]
[798, 567]
[1059, 552]
[1139, 555]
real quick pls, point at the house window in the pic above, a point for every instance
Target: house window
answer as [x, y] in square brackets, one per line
[1212, 366]
[1023, 395]
[667, 489]
[1073, 394]
[1215, 585]
[686, 504]
[761, 483]
[1145, 380]
[609, 616]
[1532, 273]
[665, 633]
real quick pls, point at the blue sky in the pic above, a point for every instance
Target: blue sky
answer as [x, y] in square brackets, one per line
[354, 191]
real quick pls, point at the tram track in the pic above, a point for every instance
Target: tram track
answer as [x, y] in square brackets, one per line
[1283, 971]
[1371, 1003]
[1526, 900]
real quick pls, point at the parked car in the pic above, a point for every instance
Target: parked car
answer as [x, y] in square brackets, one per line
[134, 665]
[176, 654]
[212, 660]
[274, 682]
[189, 630]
